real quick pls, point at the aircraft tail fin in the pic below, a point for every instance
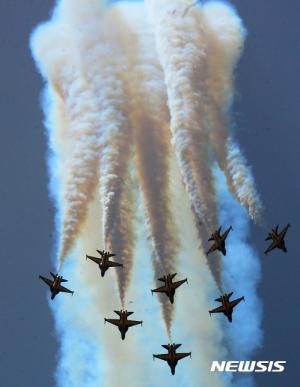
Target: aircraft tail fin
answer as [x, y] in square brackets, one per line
[219, 299]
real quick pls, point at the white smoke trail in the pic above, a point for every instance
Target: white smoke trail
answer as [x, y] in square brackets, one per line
[225, 36]
[151, 137]
[115, 181]
[55, 52]
[181, 48]
[243, 181]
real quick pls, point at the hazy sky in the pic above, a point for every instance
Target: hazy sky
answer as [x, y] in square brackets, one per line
[266, 114]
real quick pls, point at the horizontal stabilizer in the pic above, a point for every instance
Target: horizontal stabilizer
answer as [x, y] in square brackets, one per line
[163, 279]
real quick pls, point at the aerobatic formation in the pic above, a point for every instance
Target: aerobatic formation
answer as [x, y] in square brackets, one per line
[143, 163]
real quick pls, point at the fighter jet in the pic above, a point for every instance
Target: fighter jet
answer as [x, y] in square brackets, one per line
[277, 239]
[227, 305]
[219, 241]
[169, 287]
[55, 285]
[172, 357]
[123, 323]
[104, 263]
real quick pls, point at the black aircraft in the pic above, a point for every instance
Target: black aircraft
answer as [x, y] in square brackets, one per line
[55, 284]
[227, 305]
[104, 263]
[172, 357]
[169, 287]
[122, 323]
[277, 239]
[219, 241]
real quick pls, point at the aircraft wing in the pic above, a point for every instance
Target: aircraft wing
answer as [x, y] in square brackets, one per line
[284, 231]
[178, 283]
[225, 235]
[114, 264]
[182, 355]
[63, 289]
[235, 302]
[46, 280]
[272, 246]
[164, 356]
[220, 309]
[131, 323]
[214, 247]
[95, 259]
[113, 321]
[162, 289]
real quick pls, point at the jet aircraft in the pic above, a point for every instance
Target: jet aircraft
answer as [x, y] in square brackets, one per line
[219, 241]
[55, 284]
[172, 357]
[104, 263]
[122, 323]
[277, 239]
[169, 287]
[227, 305]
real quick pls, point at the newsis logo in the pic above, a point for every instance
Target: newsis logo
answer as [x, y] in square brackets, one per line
[248, 366]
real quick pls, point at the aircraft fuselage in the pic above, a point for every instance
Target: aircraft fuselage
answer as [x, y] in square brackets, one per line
[228, 308]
